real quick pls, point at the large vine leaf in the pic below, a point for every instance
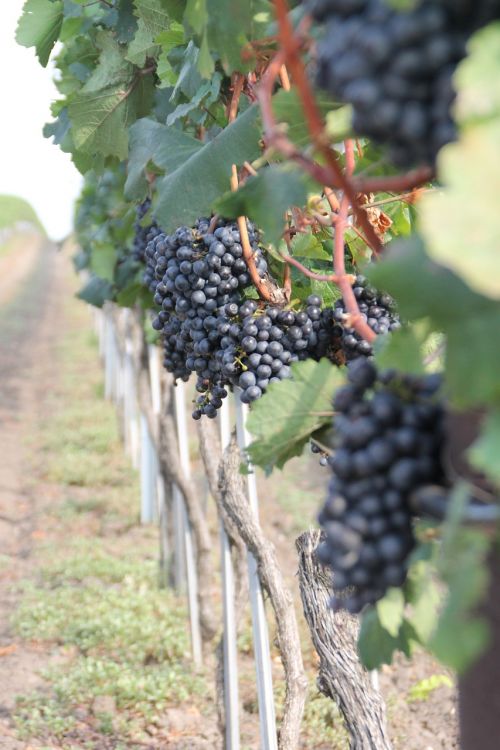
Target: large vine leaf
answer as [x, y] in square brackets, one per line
[485, 451]
[284, 418]
[191, 190]
[153, 19]
[265, 198]
[96, 291]
[468, 241]
[100, 118]
[287, 108]
[461, 636]
[231, 24]
[112, 99]
[39, 26]
[168, 148]
[376, 645]
[425, 290]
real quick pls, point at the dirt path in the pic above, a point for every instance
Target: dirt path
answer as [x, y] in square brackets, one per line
[17, 264]
[30, 323]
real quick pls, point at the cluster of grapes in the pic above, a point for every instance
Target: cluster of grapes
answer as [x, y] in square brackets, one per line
[377, 309]
[194, 274]
[389, 431]
[143, 235]
[257, 346]
[396, 67]
[198, 279]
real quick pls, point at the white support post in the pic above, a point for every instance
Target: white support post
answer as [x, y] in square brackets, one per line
[131, 407]
[110, 360]
[162, 514]
[182, 523]
[100, 317]
[267, 716]
[148, 495]
[231, 696]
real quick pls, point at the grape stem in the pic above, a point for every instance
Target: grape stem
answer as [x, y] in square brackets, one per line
[238, 81]
[333, 277]
[344, 281]
[264, 289]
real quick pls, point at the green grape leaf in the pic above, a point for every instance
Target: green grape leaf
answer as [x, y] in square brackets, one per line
[206, 63]
[132, 294]
[309, 246]
[485, 451]
[126, 23]
[423, 289]
[168, 40]
[189, 79]
[96, 292]
[376, 646]
[469, 241]
[231, 25]
[424, 597]
[288, 110]
[196, 15]
[175, 9]
[168, 148]
[153, 20]
[476, 78]
[112, 99]
[208, 93]
[191, 190]
[265, 198]
[103, 261]
[390, 611]
[100, 118]
[284, 418]
[400, 349]
[460, 636]
[39, 26]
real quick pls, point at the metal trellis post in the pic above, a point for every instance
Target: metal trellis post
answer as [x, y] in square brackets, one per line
[183, 525]
[267, 715]
[231, 696]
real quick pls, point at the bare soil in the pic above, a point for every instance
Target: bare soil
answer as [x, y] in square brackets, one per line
[33, 322]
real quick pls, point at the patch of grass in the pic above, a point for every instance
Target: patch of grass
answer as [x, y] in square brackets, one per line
[73, 507]
[322, 724]
[423, 690]
[126, 640]
[81, 440]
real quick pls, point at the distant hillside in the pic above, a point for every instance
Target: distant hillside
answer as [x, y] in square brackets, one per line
[14, 210]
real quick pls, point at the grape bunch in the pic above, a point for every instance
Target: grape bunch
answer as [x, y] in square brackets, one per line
[389, 433]
[377, 309]
[193, 275]
[396, 67]
[259, 343]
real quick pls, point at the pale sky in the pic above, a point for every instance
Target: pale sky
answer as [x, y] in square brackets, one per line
[30, 165]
